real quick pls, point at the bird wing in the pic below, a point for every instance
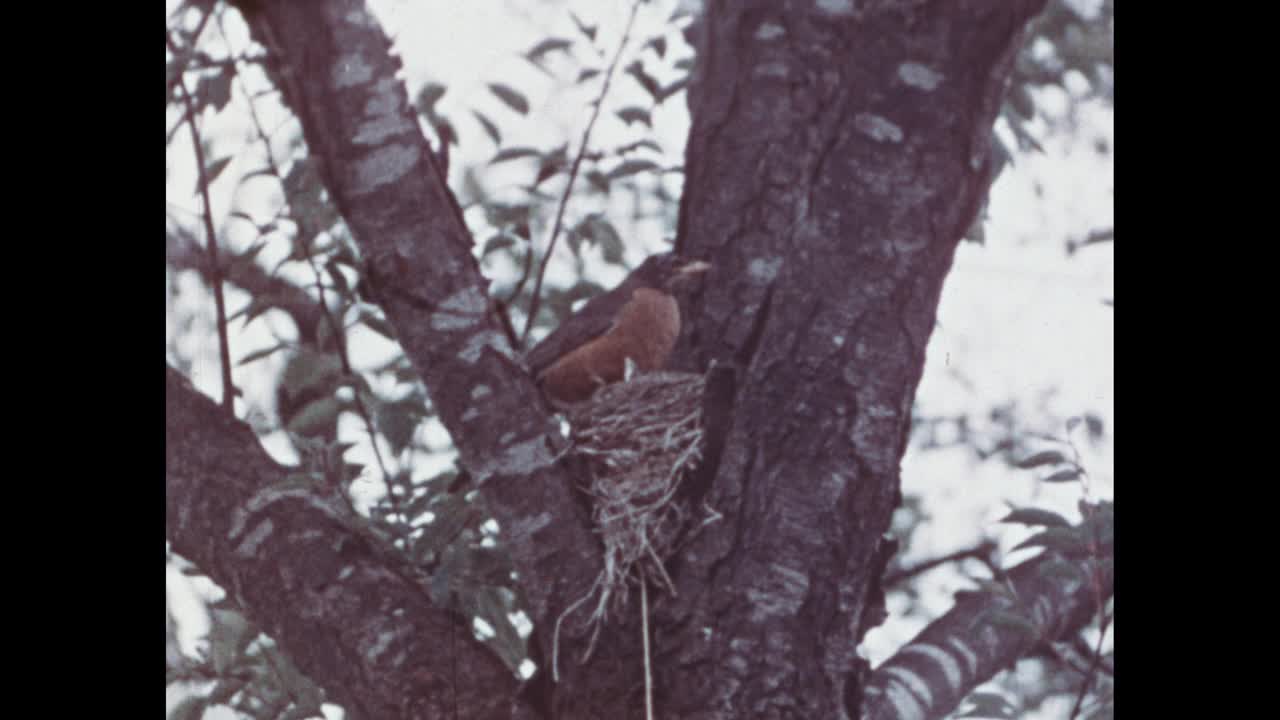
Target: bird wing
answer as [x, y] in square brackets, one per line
[593, 320]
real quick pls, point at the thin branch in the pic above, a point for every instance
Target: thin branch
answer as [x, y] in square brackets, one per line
[339, 331]
[224, 348]
[1095, 578]
[184, 60]
[982, 552]
[504, 314]
[573, 174]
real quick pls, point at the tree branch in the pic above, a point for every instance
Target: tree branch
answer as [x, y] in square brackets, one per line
[980, 636]
[382, 175]
[355, 617]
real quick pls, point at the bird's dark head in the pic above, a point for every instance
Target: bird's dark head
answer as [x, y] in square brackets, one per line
[667, 270]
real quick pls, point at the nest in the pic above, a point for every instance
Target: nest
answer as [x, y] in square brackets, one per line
[638, 438]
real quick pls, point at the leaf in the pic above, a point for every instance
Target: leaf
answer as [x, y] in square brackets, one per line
[339, 279]
[1021, 102]
[317, 416]
[215, 169]
[549, 45]
[1065, 475]
[588, 30]
[684, 64]
[659, 45]
[587, 74]
[600, 232]
[444, 130]
[552, 163]
[259, 354]
[501, 241]
[646, 143]
[229, 634]
[1068, 541]
[647, 81]
[397, 422]
[635, 114]
[598, 180]
[631, 167]
[988, 705]
[377, 324]
[489, 127]
[513, 99]
[428, 96]
[191, 708]
[514, 154]
[213, 90]
[1046, 457]
[672, 89]
[1035, 516]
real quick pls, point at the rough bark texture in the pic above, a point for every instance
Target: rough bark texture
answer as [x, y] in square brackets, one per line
[350, 613]
[839, 151]
[339, 77]
[964, 648]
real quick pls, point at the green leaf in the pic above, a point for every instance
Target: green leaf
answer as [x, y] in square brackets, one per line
[586, 74]
[316, 417]
[646, 143]
[339, 279]
[549, 45]
[1035, 516]
[215, 169]
[213, 90]
[229, 634]
[647, 81]
[1068, 541]
[397, 422]
[514, 153]
[587, 30]
[512, 98]
[489, 127]
[259, 354]
[428, 96]
[191, 708]
[1046, 457]
[635, 114]
[1066, 475]
[552, 163]
[501, 241]
[669, 90]
[378, 324]
[631, 167]
[600, 232]
[987, 705]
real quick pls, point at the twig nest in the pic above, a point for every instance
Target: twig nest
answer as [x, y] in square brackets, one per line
[639, 438]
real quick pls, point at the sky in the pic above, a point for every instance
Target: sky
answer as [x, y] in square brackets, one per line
[1019, 320]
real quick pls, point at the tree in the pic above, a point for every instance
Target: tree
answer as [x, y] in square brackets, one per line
[838, 154]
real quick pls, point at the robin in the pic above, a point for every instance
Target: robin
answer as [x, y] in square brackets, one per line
[638, 320]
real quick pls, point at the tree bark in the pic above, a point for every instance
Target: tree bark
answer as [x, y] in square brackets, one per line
[983, 634]
[839, 151]
[349, 611]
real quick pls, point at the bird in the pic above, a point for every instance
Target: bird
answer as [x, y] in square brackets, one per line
[638, 320]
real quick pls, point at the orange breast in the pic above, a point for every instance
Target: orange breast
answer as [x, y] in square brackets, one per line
[645, 331]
